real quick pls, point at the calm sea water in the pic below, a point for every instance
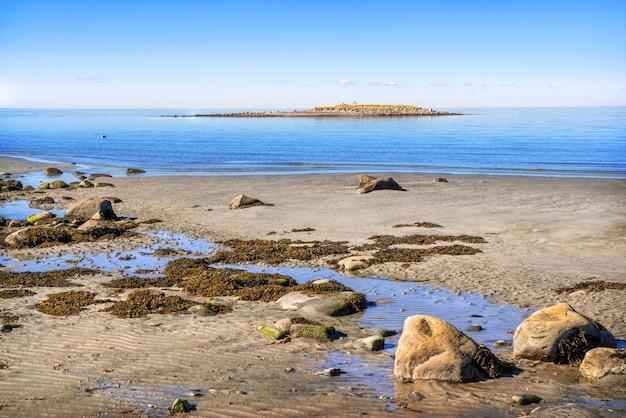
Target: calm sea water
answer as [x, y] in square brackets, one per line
[568, 142]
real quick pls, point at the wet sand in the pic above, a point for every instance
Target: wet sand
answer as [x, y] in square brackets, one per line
[542, 234]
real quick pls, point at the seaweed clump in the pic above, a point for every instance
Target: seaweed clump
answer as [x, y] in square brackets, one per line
[66, 303]
[246, 285]
[134, 282]
[53, 278]
[592, 285]
[141, 303]
[15, 293]
[276, 252]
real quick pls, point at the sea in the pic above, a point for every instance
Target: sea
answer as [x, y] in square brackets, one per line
[553, 142]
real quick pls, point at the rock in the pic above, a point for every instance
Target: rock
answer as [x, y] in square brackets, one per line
[331, 304]
[46, 200]
[86, 184]
[432, 349]
[58, 184]
[317, 332]
[372, 343]
[134, 171]
[242, 201]
[355, 262]
[440, 180]
[474, 328]
[10, 185]
[600, 362]
[284, 324]
[100, 184]
[84, 210]
[181, 405]
[40, 216]
[16, 237]
[52, 171]
[526, 399]
[364, 179]
[333, 371]
[559, 334]
[502, 343]
[386, 183]
[271, 331]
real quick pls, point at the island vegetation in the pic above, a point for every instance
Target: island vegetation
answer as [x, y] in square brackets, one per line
[341, 110]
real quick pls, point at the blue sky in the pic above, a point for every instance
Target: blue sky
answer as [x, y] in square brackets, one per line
[290, 54]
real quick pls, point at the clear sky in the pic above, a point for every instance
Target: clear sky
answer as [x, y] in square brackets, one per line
[297, 54]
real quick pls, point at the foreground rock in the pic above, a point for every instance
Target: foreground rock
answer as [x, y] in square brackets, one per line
[602, 362]
[242, 201]
[332, 304]
[432, 349]
[559, 334]
[96, 208]
[369, 184]
[10, 185]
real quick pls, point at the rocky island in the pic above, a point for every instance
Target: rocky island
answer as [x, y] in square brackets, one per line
[342, 110]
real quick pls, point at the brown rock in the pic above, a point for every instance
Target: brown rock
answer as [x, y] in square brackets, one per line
[52, 171]
[386, 183]
[559, 334]
[432, 349]
[600, 362]
[84, 210]
[242, 201]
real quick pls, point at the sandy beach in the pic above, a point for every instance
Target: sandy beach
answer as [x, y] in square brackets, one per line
[541, 234]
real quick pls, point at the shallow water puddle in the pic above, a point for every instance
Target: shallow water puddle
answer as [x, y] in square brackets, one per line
[19, 209]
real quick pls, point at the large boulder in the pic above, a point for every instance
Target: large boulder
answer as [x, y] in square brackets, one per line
[52, 171]
[10, 185]
[432, 349]
[602, 362]
[559, 334]
[386, 183]
[329, 304]
[95, 208]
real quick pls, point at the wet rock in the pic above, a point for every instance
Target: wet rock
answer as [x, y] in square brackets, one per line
[84, 210]
[134, 171]
[39, 217]
[58, 184]
[46, 200]
[474, 328]
[181, 405]
[332, 304]
[333, 371]
[386, 183]
[559, 334]
[372, 343]
[10, 185]
[242, 201]
[600, 362]
[432, 349]
[526, 399]
[355, 262]
[317, 332]
[52, 171]
[271, 331]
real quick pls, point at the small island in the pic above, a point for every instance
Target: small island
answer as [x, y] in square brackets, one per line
[341, 111]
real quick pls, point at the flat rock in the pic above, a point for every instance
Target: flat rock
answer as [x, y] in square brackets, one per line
[330, 304]
[602, 361]
[242, 201]
[86, 209]
[355, 262]
[386, 183]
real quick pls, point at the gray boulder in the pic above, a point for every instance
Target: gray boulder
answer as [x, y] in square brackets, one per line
[86, 209]
[432, 349]
[559, 334]
[52, 171]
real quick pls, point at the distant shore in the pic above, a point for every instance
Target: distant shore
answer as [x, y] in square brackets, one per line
[337, 111]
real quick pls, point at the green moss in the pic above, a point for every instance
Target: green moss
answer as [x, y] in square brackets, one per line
[356, 303]
[317, 332]
[181, 405]
[44, 186]
[271, 331]
[58, 184]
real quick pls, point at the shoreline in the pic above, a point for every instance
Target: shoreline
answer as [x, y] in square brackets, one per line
[541, 234]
